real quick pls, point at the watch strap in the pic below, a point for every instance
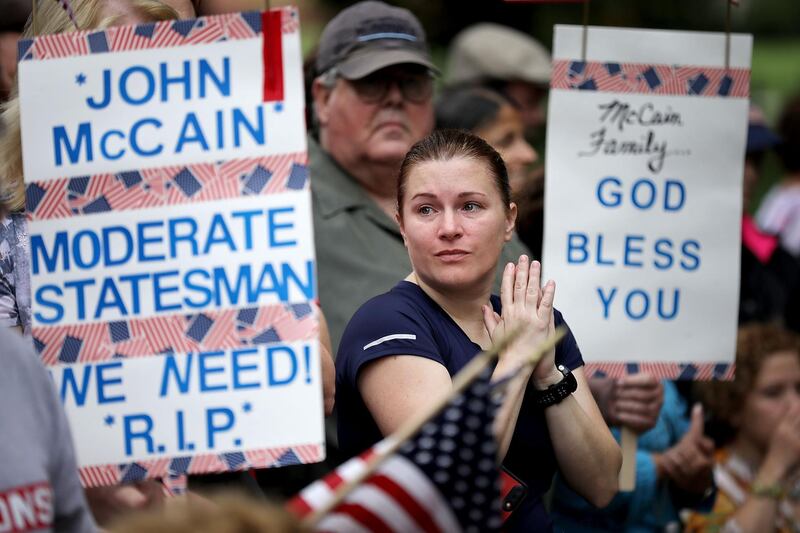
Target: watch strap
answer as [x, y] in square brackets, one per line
[558, 391]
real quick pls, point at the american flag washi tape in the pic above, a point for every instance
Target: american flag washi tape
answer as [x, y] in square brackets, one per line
[650, 79]
[165, 468]
[177, 333]
[170, 185]
[673, 371]
[232, 26]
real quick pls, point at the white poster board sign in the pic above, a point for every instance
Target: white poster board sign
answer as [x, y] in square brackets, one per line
[171, 248]
[645, 154]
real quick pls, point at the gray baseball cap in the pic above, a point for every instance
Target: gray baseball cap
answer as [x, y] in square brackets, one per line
[369, 36]
[488, 51]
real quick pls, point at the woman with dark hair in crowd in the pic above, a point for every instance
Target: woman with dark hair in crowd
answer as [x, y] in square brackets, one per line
[758, 483]
[401, 349]
[495, 119]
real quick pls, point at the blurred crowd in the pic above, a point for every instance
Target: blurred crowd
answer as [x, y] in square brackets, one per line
[712, 456]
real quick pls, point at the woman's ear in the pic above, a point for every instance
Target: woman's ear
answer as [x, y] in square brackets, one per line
[511, 221]
[399, 221]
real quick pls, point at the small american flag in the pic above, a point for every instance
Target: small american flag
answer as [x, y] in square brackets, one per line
[445, 479]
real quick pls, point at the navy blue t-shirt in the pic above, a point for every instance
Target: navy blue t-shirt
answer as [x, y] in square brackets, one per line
[406, 321]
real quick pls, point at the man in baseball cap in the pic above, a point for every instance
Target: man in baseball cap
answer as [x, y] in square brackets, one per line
[505, 59]
[373, 100]
[369, 36]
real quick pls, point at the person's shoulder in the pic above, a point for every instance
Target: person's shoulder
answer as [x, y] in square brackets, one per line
[402, 321]
[399, 319]
[323, 172]
[779, 198]
[21, 365]
[17, 352]
[334, 191]
[319, 172]
[792, 190]
[402, 301]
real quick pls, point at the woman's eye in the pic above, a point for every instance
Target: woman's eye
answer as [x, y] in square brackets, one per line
[424, 210]
[471, 207]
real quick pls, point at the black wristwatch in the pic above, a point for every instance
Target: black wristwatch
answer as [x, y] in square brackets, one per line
[558, 391]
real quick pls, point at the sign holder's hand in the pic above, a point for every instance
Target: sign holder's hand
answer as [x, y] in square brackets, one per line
[633, 401]
[689, 463]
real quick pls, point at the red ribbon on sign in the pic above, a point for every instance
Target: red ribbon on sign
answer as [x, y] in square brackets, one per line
[272, 55]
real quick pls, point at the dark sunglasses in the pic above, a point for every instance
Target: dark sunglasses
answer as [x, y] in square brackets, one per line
[417, 88]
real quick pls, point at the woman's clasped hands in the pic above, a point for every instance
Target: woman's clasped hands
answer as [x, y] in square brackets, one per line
[529, 306]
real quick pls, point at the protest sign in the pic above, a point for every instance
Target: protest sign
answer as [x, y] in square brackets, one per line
[645, 153]
[171, 248]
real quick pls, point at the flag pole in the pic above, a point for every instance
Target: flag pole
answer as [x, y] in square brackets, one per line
[585, 29]
[461, 381]
[35, 17]
[629, 443]
[728, 34]
[550, 342]
[532, 359]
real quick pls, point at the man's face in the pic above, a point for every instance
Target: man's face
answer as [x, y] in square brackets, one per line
[375, 120]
